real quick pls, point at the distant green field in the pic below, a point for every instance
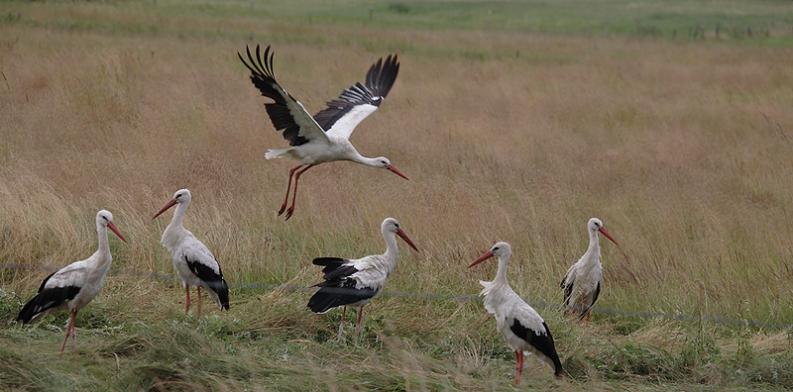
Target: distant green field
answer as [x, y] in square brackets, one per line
[758, 21]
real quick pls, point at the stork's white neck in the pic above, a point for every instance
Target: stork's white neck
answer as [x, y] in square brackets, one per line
[178, 216]
[391, 250]
[593, 251]
[501, 273]
[175, 230]
[101, 234]
[357, 157]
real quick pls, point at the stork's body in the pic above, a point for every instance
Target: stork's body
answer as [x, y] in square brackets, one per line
[75, 285]
[325, 136]
[354, 282]
[194, 263]
[522, 327]
[584, 279]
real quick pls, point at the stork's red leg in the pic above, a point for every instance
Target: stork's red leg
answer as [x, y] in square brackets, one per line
[69, 327]
[358, 322]
[291, 209]
[186, 299]
[198, 290]
[288, 187]
[518, 366]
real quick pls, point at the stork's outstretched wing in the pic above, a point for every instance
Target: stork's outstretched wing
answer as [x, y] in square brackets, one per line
[286, 112]
[358, 101]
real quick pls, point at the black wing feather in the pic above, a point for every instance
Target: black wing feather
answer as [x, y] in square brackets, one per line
[214, 281]
[568, 290]
[263, 78]
[46, 299]
[338, 288]
[542, 342]
[379, 80]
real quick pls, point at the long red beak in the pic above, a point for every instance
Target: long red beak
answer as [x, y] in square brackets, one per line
[167, 206]
[396, 171]
[405, 237]
[606, 233]
[482, 258]
[115, 231]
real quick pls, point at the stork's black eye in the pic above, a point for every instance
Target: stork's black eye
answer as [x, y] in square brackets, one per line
[179, 195]
[495, 249]
[105, 218]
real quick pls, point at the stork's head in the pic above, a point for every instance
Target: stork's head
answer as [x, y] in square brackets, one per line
[596, 225]
[182, 196]
[105, 219]
[499, 249]
[385, 163]
[391, 225]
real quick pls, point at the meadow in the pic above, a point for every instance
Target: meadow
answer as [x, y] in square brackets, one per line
[515, 121]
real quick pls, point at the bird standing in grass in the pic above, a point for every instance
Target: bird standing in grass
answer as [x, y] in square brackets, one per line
[521, 325]
[354, 282]
[582, 282]
[325, 136]
[192, 260]
[75, 285]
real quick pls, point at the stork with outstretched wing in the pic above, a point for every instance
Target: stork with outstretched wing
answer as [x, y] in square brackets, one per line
[324, 137]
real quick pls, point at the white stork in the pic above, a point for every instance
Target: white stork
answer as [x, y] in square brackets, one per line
[582, 282]
[521, 325]
[354, 282]
[193, 262]
[324, 137]
[75, 285]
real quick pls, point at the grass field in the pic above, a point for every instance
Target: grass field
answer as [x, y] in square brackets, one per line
[515, 121]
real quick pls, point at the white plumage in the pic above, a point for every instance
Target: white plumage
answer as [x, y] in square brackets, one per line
[354, 282]
[75, 285]
[584, 279]
[522, 327]
[193, 262]
[325, 136]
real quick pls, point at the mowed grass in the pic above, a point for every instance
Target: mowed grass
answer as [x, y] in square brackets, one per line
[681, 147]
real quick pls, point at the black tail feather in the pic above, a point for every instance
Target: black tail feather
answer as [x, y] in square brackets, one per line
[45, 300]
[28, 313]
[221, 289]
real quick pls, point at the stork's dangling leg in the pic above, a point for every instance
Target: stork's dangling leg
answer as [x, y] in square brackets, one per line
[291, 209]
[186, 299]
[341, 323]
[288, 187]
[358, 322]
[198, 290]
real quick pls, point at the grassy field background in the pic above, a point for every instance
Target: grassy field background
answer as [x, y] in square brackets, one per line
[516, 121]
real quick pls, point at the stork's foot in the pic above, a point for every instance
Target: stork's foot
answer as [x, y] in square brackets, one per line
[283, 208]
[289, 212]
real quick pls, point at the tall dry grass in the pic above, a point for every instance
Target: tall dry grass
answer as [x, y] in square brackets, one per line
[683, 150]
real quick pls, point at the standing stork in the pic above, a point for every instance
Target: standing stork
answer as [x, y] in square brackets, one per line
[192, 260]
[521, 325]
[354, 282]
[75, 285]
[324, 137]
[582, 282]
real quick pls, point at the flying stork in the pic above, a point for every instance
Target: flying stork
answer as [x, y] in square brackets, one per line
[354, 282]
[192, 260]
[521, 325]
[582, 282]
[75, 285]
[325, 136]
